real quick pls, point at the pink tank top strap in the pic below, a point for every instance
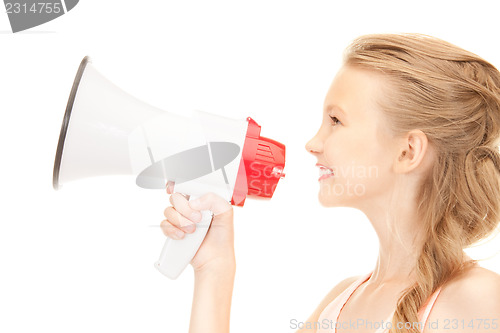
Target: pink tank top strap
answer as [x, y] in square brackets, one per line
[333, 309]
[344, 297]
[426, 309]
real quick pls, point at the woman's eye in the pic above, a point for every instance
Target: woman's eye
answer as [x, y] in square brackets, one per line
[334, 120]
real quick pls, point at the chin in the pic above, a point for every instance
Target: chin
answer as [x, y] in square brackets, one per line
[328, 200]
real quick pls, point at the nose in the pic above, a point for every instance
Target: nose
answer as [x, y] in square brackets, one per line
[314, 146]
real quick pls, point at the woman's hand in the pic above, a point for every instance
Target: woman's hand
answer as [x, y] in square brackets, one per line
[214, 263]
[216, 253]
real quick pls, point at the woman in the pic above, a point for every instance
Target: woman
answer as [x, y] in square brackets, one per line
[419, 119]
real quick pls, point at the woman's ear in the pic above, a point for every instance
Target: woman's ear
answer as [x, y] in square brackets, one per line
[413, 153]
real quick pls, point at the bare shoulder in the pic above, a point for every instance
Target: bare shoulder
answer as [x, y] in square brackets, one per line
[308, 325]
[475, 288]
[337, 290]
[468, 303]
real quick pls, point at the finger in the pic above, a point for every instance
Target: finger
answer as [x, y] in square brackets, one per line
[170, 187]
[180, 202]
[178, 220]
[212, 202]
[171, 231]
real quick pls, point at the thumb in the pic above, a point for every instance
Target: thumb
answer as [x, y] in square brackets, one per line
[211, 201]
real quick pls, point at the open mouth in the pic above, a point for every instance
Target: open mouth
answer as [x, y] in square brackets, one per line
[324, 172]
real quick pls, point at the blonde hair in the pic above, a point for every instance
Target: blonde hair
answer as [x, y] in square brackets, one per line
[453, 96]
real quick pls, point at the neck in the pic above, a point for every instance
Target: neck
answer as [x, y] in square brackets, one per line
[398, 249]
[400, 239]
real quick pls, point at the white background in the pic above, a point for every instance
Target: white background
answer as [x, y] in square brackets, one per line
[81, 259]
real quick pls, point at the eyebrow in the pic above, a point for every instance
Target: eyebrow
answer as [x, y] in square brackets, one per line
[330, 107]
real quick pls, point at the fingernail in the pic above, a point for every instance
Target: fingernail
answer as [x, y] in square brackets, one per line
[186, 223]
[170, 187]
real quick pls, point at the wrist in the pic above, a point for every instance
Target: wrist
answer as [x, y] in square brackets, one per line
[213, 289]
[222, 268]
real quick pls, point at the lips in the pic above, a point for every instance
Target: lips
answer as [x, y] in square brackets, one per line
[324, 172]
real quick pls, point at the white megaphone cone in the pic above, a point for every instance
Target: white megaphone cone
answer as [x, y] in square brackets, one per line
[106, 131]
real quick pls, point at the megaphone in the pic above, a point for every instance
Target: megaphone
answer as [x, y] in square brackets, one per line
[106, 131]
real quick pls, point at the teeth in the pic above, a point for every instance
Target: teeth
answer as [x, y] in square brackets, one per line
[323, 171]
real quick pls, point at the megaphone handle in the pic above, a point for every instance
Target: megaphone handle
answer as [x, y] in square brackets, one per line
[177, 254]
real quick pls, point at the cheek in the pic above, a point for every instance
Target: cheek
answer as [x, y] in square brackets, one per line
[358, 157]
[349, 149]
[375, 170]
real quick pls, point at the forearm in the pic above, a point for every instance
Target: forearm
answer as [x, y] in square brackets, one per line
[212, 301]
